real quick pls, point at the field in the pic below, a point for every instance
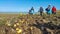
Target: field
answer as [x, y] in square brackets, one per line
[23, 24]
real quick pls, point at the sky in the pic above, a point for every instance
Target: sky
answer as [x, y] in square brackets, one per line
[25, 5]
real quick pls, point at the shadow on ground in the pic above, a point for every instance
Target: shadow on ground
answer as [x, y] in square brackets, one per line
[44, 26]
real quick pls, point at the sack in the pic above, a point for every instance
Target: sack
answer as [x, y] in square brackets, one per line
[47, 9]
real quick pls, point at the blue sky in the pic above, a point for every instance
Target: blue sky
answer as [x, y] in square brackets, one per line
[25, 5]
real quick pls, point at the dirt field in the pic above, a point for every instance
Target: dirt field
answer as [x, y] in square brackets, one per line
[26, 24]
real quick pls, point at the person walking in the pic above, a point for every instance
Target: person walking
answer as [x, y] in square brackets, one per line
[53, 10]
[41, 11]
[48, 9]
[31, 11]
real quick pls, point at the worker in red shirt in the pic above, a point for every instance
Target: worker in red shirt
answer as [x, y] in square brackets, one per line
[53, 10]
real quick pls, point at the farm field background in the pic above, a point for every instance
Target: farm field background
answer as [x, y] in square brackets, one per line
[19, 23]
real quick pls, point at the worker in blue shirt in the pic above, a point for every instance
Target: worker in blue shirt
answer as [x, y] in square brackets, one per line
[48, 10]
[31, 11]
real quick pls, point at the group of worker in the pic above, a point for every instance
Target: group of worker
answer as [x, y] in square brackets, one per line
[48, 10]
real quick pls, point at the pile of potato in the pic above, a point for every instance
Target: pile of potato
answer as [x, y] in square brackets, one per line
[21, 24]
